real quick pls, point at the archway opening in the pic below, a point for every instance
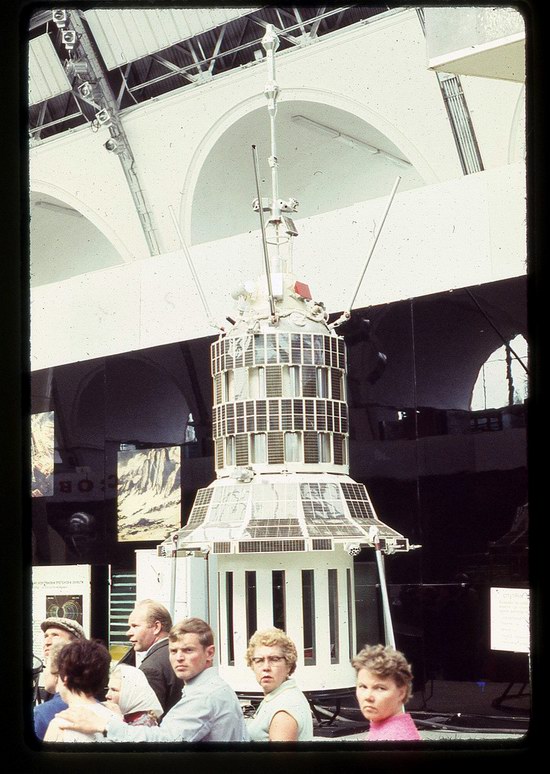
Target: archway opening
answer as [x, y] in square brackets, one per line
[502, 379]
[328, 159]
[64, 243]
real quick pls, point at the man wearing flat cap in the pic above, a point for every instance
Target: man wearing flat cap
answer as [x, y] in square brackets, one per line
[57, 632]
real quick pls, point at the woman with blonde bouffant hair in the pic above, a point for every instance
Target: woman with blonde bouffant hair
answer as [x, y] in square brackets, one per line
[284, 714]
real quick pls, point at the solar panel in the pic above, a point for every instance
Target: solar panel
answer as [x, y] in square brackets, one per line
[358, 501]
[341, 529]
[320, 544]
[268, 546]
[229, 505]
[200, 508]
[275, 531]
[274, 501]
[275, 448]
[222, 547]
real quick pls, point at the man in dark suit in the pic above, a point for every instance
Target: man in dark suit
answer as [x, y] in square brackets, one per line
[148, 627]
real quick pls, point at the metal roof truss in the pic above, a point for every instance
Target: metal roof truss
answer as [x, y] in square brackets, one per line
[215, 41]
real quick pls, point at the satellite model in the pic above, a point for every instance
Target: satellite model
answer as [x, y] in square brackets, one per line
[281, 523]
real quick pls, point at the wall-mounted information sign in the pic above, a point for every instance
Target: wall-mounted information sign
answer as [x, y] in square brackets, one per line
[510, 620]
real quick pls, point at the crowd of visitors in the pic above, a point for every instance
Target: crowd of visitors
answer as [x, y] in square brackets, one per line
[177, 695]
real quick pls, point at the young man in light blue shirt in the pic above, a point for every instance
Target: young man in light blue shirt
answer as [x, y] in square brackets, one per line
[208, 710]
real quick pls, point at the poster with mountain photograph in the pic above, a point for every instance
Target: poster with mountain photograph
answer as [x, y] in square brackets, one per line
[42, 453]
[148, 493]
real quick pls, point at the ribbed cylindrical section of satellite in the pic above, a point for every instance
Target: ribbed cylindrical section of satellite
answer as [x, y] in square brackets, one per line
[309, 595]
[280, 402]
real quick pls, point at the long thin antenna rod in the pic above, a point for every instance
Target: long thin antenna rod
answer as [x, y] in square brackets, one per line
[264, 239]
[193, 272]
[377, 234]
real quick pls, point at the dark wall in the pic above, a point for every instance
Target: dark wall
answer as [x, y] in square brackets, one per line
[435, 345]
[141, 398]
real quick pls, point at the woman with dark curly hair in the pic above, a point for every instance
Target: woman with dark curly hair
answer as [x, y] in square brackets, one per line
[83, 671]
[384, 685]
[284, 714]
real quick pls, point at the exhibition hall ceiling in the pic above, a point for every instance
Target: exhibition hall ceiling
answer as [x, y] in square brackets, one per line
[133, 56]
[140, 54]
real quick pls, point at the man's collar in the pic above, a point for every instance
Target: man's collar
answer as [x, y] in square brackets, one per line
[154, 645]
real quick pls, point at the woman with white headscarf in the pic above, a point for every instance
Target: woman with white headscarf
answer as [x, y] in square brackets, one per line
[129, 690]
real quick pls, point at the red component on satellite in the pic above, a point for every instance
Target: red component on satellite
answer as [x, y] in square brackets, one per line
[302, 290]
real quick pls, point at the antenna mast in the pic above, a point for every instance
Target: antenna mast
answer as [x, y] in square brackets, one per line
[264, 241]
[270, 42]
[277, 207]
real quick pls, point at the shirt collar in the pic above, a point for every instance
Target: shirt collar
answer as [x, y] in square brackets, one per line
[289, 683]
[154, 645]
[201, 678]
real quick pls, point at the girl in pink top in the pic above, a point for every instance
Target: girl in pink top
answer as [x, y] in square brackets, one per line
[384, 680]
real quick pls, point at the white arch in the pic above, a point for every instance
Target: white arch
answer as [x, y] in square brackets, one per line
[516, 140]
[50, 189]
[490, 389]
[319, 96]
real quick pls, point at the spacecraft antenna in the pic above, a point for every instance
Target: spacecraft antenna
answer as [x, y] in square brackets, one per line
[194, 274]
